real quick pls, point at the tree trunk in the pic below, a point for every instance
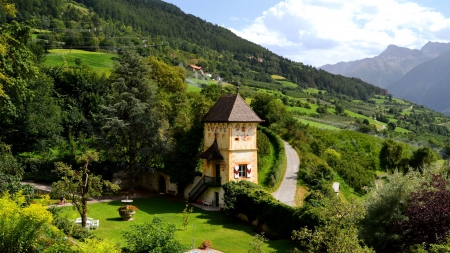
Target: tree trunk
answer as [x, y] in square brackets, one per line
[131, 182]
[84, 212]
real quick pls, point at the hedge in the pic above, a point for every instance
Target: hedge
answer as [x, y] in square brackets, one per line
[279, 167]
[252, 200]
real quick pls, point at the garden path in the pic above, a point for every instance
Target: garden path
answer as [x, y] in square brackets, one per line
[288, 187]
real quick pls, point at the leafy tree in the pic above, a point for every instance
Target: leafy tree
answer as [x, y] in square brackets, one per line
[391, 154]
[338, 231]
[135, 131]
[181, 163]
[167, 77]
[11, 172]
[212, 91]
[276, 112]
[153, 237]
[8, 8]
[259, 105]
[421, 157]
[79, 184]
[22, 90]
[428, 214]
[392, 126]
[339, 108]
[385, 208]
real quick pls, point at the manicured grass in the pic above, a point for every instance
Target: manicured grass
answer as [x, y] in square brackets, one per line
[226, 234]
[100, 62]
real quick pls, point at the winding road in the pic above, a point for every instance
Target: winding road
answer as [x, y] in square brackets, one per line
[287, 189]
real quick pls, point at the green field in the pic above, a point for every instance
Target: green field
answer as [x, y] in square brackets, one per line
[317, 124]
[277, 77]
[100, 62]
[194, 88]
[226, 234]
[288, 84]
[314, 91]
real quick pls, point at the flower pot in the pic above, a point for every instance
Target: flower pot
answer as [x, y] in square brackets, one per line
[127, 212]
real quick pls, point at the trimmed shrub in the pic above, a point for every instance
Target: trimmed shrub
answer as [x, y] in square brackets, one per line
[253, 201]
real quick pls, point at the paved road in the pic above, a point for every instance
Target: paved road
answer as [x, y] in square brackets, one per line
[286, 192]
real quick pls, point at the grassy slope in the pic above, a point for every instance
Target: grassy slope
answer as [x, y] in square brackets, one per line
[100, 62]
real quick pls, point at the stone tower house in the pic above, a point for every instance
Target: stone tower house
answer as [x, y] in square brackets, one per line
[230, 132]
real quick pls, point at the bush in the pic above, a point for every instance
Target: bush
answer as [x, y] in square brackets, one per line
[247, 198]
[152, 237]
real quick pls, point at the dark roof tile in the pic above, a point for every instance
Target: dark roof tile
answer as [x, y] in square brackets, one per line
[231, 108]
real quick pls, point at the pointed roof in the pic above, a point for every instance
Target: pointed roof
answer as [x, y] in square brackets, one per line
[212, 153]
[231, 108]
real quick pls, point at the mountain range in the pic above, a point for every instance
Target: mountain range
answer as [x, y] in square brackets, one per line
[420, 76]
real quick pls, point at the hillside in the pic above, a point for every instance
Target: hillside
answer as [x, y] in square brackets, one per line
[157, 28]
[390, 66]
[427, 84]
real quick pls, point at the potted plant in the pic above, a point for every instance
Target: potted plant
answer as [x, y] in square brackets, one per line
[205, 245]
[127, 211]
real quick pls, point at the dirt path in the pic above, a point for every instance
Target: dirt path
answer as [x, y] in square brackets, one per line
[286, 192]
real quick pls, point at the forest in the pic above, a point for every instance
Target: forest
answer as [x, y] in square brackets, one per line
[140, 116]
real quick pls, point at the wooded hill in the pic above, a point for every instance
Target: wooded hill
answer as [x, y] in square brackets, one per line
[180, 38]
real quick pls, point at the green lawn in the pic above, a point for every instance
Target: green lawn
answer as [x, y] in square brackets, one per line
[194, 88]
[226, 234]
[100, 62]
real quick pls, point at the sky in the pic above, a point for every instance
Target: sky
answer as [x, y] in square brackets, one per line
[319, 32]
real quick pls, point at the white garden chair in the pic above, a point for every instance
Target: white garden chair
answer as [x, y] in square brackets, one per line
[95, 224]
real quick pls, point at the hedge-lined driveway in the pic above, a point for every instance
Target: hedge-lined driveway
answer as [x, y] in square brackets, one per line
[286, 192]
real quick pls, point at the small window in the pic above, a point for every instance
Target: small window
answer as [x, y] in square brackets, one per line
[236, 139]
[242, 170]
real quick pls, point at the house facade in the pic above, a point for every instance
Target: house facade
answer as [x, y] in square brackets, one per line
[230, 148]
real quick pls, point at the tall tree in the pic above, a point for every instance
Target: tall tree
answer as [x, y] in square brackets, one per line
[135, 131]
[80, 185]
[182, 163]
[391, 154]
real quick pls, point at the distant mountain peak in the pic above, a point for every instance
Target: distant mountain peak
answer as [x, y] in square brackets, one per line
[390, 65]
[396, 51]
[434, 49]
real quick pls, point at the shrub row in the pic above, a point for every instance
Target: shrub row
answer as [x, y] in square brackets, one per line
[252, 200]
[279, 166]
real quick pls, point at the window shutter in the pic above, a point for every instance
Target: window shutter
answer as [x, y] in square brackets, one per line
[236, 171]
[249, 170]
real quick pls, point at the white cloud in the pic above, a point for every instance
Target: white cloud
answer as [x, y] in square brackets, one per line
[318, 32]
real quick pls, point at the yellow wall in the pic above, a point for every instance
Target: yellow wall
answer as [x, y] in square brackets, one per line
[237, 144]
